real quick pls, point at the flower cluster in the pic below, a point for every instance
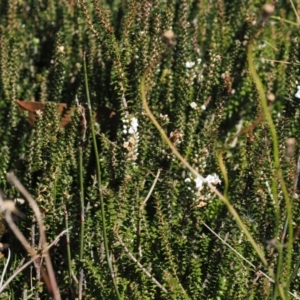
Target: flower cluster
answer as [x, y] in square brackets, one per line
[203, 198]
[131, 144]
[210, 179]
[190, 64]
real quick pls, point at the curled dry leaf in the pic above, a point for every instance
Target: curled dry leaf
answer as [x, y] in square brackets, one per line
[33, 108]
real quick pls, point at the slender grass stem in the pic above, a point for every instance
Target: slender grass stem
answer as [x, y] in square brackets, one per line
[277, 176]
[285, 20]
[81, 203]
[105, 239]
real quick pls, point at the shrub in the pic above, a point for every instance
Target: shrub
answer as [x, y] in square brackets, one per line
[142, 82]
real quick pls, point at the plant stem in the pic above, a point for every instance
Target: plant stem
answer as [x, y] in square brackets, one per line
[276, 176]
[81, 203]
[99, 183]
[68, 245]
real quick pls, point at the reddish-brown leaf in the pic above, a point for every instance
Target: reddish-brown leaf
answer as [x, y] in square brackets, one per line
[32, 107]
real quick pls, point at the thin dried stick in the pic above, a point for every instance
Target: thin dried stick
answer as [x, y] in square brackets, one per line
[53, 284]
[151, 189]
[2, 287]
[80, 283]
[139, 265]
[242, 257]
[5, 268]
[7, 282]
[140, 212]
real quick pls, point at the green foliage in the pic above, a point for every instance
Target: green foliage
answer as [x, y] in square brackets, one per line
[199, 88]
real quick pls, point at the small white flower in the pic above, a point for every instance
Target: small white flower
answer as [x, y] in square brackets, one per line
[61, 49]
[133, 126]
[131, 130]
[189, 64]
[187, 179]
[193, 105]
[297, 95]
[125, 131]
[213, 179]
[203, 107]
[199, 183]
[163, 117]
[134, 122]
[199, 61]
